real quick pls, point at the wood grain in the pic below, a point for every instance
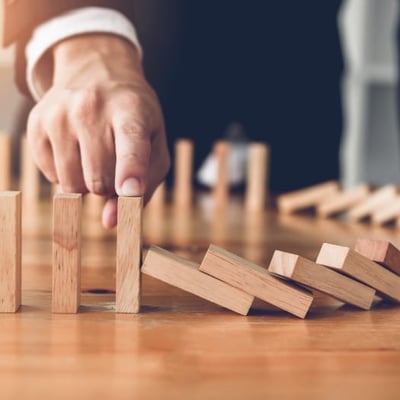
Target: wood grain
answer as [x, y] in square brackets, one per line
[306, 272]
[256, 280]
[10, 251]
[185, 275]
[67, 216]
[129, 252]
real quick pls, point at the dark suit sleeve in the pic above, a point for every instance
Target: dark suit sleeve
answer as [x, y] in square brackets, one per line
[22, 16]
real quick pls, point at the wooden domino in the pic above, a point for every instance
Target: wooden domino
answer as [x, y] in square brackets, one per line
[257, 175]
[129, 252]
[350, 262]
[325, 280]
[10, 250]
[183, 171]
[221, 188]
[158, 199]
[342, 201]
[30, 176]
[306, 198]
[67, 215]
[372, 202]
[255, 280]
[5, 162]
[380, 251]
[388, 212]
[185, 275]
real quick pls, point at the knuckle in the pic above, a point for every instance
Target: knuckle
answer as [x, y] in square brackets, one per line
[97, 186]
[55, 119]
[86, 104]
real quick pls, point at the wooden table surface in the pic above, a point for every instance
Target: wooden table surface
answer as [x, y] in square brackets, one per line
[180, 346]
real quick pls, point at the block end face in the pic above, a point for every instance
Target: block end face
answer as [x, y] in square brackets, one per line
[332, 255]
[283, 263]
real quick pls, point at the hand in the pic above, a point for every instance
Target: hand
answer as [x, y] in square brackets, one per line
[99, 126]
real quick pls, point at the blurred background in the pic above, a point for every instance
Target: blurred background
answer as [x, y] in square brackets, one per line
[309, 53]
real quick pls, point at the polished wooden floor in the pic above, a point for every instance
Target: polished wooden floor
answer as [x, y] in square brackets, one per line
[181, 347]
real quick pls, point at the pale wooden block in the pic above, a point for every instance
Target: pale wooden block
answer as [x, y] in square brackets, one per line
[182, 194]
[30, 176]
[257, 175]
[221, 188]
[67, 215]
[387, 212]
[10, 251]
[5, 162]
[317, 277]
[342, 201]
[306, 198]
[361, 268]
[129, 252]
[256, 280]
[185, 275]
[372, 202]
[158, 199]
[380, 251]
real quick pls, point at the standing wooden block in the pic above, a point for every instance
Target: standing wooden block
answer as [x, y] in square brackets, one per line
[342, 201]
[129, 252]
[306, 198]
[185, 275]
[67, 215]
[359, 267]
[380, 251]
[255, 280]
[158, 199]
[372, 202]
[30, 176]
[5, 162]
[10, 251]
[183, 171]
[325, 280]
[388, 212]
[257, 175]
[221, 188]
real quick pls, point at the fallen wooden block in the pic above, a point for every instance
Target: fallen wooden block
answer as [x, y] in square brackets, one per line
[306, 198]
[256, 280]
[317, 277]
[359, 267]
[387, 212]
[372, 203]
[5, 162]
[67, 216]
[380, 251]
[185, 275]
[342, 201]
[10, 251]
[129, 253]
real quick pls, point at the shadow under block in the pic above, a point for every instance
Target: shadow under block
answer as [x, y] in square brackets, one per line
[325, 280]
[351, 263]
[5, 162]
[255, 280]
[129, 251]
[10, 251]
[185, 275]
[380, 251]
[183, 171]
[306, 198]
[67, 216]
[372, 203]
[342, 201]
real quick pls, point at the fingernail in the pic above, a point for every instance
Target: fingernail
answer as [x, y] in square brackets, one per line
[131, 187]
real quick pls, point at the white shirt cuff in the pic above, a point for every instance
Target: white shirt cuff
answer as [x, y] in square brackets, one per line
[76, 22]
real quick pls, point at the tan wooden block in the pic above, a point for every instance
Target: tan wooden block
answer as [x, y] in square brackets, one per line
[256, 280]
[182, 192]
[387, 212]
[5, 162]
[350, 262]
[342, 201]
[372, 203]
[306, 198]
[185, 275]
[380, 251]
[67, 216]
[129, 252]
[257, 175]
[10, 251]
[158, 199]
[325, 280]
[29, 174]
[221, 188]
